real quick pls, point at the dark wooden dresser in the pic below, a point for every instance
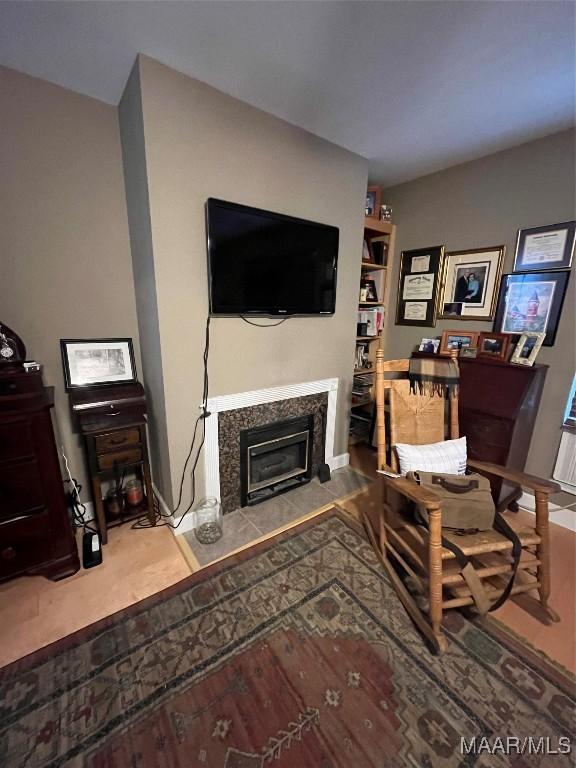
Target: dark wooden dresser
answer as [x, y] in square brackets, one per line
[35, 532]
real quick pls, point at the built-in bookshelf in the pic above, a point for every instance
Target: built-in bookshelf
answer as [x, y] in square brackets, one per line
[373, 301]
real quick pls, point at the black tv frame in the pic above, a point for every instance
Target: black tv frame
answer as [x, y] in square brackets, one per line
[271, 312]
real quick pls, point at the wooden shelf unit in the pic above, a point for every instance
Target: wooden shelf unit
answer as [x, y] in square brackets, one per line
[374, 229]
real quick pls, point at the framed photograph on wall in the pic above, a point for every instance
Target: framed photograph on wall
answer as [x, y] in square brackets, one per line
[97, 362]
[527, 349]
[531, 302]
[457, 340]
[418, 286]
[494, 345]
[470, 281]
[545, 248]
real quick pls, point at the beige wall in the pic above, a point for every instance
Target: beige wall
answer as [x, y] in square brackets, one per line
[202, 143]
[65, 257]
[484, 203]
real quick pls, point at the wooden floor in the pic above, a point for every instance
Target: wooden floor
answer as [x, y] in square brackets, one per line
[35, 611]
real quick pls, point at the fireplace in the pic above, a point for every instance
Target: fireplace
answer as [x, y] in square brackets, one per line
[274, 458]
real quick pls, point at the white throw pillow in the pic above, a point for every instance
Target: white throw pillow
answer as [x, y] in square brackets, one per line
[449, 456]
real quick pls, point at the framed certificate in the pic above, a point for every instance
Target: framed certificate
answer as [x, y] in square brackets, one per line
[418, 286]
[545, 248]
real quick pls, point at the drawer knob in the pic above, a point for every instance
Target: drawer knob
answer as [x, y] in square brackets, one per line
[8, 554]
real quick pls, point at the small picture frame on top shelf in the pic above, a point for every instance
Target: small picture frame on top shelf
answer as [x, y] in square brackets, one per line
[418, 286]
[373, 201]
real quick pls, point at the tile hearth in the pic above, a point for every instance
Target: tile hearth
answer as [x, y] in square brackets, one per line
[251, 523]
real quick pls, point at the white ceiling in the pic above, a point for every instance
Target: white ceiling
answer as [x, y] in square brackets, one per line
[412, 86]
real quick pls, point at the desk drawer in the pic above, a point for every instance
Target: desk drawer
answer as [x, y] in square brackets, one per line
[24, 543]
[20, 489]
[116, 440]
[123, 456]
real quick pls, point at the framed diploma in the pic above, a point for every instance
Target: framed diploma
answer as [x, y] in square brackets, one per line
[545, 248]
[415, 310]
[418, 286]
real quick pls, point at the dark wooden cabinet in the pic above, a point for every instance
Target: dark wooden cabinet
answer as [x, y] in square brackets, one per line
[35, 532]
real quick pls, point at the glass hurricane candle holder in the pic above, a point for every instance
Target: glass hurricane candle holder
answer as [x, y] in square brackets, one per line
[208, 521]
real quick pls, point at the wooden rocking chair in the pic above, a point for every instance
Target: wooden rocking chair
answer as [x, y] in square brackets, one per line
[432, 570]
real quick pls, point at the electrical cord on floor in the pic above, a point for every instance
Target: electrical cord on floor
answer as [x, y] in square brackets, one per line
[78, 508]
[268, 325]
[160, 516]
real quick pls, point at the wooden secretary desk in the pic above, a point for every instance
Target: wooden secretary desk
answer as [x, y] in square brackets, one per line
[498, 405]
[112, 421]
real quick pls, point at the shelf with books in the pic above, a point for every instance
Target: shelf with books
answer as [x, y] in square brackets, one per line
[375, 261]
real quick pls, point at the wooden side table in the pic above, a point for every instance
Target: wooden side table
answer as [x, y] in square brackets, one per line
[112, 452]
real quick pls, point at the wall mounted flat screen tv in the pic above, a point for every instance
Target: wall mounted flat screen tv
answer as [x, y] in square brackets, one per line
[263, 263]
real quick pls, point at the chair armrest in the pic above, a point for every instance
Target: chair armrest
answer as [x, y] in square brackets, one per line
[515, 476]
[415, 492]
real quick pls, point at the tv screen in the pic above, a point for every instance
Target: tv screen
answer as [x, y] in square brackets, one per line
[263, 263]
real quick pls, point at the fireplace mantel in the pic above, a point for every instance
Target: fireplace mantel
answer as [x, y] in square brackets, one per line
[224, 403]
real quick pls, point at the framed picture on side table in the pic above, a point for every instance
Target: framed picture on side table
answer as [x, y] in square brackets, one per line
[470, 281]
[457, 340]
[545, 248]
[97, 362]
[418, 286]
[531, 302]
[527, 348]
[494, 345]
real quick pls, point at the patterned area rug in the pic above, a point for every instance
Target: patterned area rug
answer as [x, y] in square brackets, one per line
[293, 653]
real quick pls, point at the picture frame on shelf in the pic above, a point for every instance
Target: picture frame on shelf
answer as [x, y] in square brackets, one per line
[419, 285]
[457, 340]
[531, 302]
[470, 283]
[527, 348]
[468, 353]
[371, 291]
[373, 201]
[97, 362]
[548, 247]
[367, 255]
[493, 345]
[429, 345]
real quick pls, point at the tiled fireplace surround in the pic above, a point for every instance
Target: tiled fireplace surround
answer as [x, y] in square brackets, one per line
[229, 414]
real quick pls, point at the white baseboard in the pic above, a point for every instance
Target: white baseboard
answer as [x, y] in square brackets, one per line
[566, 518]
[337, 462]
